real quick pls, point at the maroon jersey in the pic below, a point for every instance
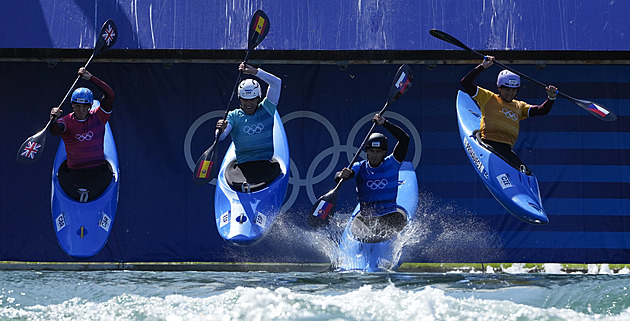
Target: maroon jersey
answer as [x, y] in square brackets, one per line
[84, 139]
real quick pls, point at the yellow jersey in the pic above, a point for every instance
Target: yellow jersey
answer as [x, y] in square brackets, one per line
[499, 119]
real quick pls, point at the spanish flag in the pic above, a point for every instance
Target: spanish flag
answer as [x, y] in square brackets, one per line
[261, 25]
[204, 169]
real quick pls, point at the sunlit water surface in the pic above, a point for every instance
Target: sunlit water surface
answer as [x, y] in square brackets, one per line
[136, 295]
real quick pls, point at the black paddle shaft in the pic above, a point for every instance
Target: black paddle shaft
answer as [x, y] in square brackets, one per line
[589, 106]
[324, 208]
[104, 40]
[258, 30]
[33, 147]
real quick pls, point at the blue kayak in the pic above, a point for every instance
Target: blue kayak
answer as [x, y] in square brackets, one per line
[516, 191]
[82, 229]
[355, 255]
[244, 217]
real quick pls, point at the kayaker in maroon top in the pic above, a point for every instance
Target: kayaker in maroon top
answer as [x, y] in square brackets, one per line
[83, 133]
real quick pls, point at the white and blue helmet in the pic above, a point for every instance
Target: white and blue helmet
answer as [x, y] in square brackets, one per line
[249, 89]
[508, 79]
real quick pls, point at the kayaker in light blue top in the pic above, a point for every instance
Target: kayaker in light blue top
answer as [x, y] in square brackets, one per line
[251, 126]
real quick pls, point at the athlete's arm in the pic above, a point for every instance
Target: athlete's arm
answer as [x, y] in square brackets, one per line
[55, 127]
[275, 85]
[400, 150]
[544, 108]
[468, 82]
[107, 102]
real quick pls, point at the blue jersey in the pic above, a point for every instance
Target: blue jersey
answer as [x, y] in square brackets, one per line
[377, 188]
[253, 134]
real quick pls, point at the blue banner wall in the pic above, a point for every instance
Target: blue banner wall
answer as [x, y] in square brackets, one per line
[163, 119]
[321, 25]
[164, 116]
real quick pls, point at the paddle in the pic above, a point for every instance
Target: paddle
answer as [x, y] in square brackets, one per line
[258, 29]
[593, 108]
[324, 208]
[33, 147]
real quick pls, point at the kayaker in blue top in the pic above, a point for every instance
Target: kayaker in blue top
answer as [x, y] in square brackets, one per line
[501, 113]
[251, 128]
[377, 185]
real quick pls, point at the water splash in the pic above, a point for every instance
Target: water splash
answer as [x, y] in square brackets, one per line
[447, 233]
[437, 233]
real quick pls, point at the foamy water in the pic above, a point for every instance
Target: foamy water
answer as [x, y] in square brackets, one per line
[492, 293]
[49, 295]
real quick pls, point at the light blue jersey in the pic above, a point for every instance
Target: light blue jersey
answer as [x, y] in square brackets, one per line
[253, 134]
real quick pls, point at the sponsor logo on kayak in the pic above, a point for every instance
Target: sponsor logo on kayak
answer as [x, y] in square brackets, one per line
[105, 222]
[225, 218]
[261, 220]
[504, 181]
[60, 222]
[474, 157]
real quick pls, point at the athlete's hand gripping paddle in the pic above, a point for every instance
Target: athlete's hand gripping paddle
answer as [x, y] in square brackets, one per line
[593, 108]
[324, 208]
[258, 29]
[33, 147]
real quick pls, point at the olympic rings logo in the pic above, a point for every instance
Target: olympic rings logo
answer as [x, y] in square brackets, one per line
[375, 184]
[84, 136]
[510, 114]
[252, 130]
[308, 178]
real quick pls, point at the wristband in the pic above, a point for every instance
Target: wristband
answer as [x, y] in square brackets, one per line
[551, 98]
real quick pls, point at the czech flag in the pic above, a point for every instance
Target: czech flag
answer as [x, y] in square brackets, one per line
[598, 110]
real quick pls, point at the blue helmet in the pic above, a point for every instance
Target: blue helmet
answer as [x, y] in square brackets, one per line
[82, 96]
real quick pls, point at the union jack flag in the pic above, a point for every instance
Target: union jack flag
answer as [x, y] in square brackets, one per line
[30, 150]
[109, 35]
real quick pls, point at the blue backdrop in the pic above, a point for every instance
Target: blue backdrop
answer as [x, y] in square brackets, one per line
[164, 115]
[163, 118]
[321, 25]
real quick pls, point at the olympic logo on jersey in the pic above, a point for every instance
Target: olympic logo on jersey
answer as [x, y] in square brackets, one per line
[251, 130]
[305, 176]
[375, 184]
[84, 136]
[510, 114]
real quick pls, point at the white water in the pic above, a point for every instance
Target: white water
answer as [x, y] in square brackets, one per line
[173, 296]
